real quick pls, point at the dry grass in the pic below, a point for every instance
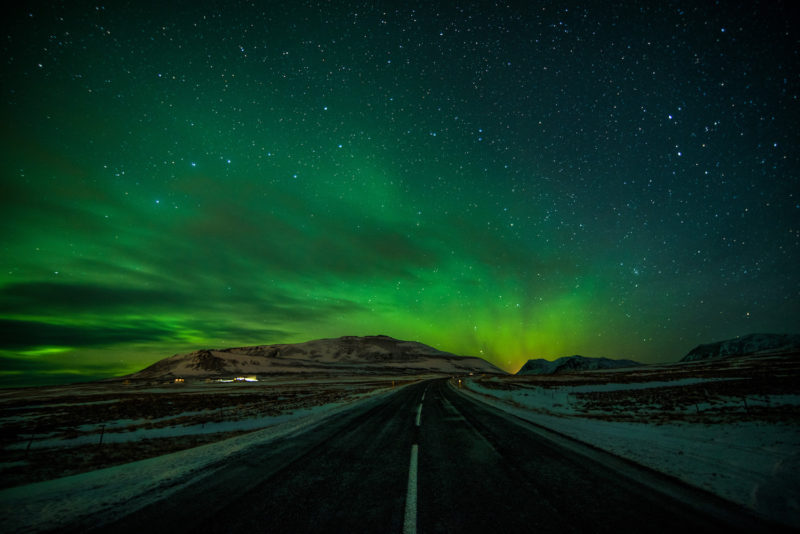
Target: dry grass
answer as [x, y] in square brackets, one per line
[727, 390]
[51, 432]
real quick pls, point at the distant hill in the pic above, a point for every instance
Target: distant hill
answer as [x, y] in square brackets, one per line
[345, 355]
[569, 364]
[752, 344]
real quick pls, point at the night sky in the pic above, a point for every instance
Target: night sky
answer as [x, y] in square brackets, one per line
[501, 180]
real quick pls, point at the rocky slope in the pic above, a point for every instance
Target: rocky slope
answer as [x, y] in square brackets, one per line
[349, 354]
[570, 364]
[752, 344]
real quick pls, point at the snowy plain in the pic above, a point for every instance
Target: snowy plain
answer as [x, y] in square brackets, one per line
[752, 463]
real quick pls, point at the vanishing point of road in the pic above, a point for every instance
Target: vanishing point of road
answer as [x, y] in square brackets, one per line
[428, 458]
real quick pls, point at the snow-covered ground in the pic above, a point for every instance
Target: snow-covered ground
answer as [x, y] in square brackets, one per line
[51, 504]
[754, 463]
[136, 433]
[51, 432]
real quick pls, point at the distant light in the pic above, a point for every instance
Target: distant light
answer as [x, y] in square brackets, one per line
[194, 164]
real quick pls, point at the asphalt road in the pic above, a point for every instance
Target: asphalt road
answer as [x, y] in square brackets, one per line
[429, 459]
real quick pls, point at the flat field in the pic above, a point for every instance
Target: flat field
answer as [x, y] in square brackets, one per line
[50, 432]
[748, 388]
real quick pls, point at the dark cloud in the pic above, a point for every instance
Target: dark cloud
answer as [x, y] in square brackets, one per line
[16, 372]
[384, 253]
[52, 364]
[59, 368]
[87, 301]
[227, 335]
[305, 310]
[33, 297]
[25, 335]
[291, 236]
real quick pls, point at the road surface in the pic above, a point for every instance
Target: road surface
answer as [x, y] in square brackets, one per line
[430, 459]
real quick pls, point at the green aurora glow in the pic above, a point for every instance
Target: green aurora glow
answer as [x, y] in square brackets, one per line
[482, 181]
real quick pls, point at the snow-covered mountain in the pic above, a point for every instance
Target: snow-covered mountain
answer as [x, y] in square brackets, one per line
[569, 364]
[746, 345]
[349, 354]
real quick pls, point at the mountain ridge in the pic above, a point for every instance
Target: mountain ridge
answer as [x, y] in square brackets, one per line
[750, 344]
[573, 363]
[347, 354]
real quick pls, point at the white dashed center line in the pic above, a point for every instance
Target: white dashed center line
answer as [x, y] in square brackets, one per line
[410, 521]
[419, 413]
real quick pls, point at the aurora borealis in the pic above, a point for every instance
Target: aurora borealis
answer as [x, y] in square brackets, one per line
[501, 180]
